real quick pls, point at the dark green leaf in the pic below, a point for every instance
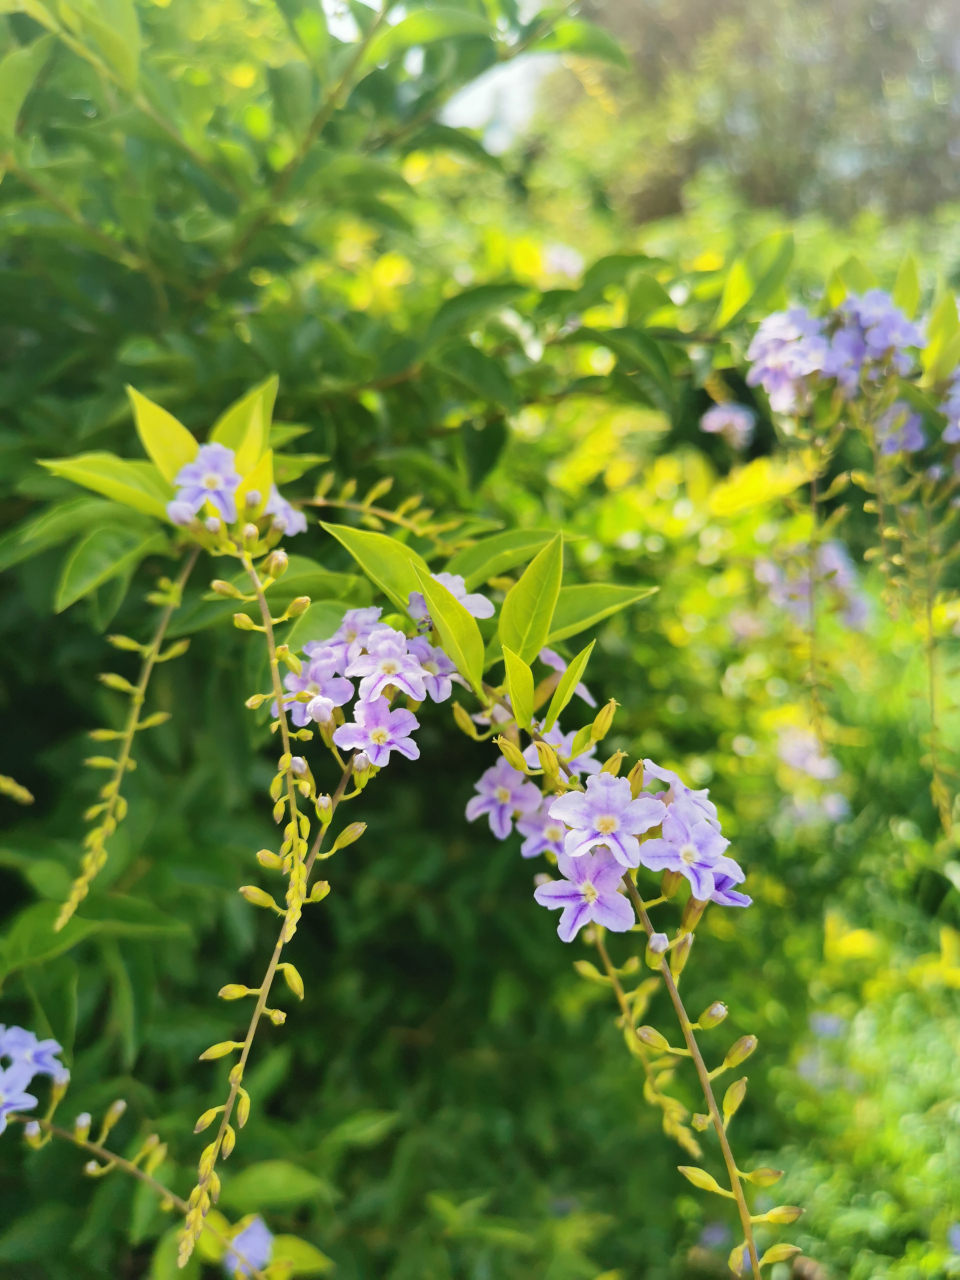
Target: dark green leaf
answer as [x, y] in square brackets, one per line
[274, 1184]
[479, 373]
[18, 71]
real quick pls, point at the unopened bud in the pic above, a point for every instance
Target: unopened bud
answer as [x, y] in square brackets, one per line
[229, 1141]
[256, 700]
[298, 766]
[548, 758]
[603, 720]
[319, 891]
[268, 859]
[234, 991]
[635, 778]
[276, 563]
[361, 762]
[613, 764]
[512, 753]
[764, 1177]
[784, 1214]
[680, 954]
[733, 1097]
[670, 884]
[320, 709]
[464, 723]
[700, 1122]
[652, 1038]
[32, 1133]
[324, 809]
[226, 589]
[81, 1126]
[253, 497]
[212, 524]
[657, 947]
[243, 623]
[713, 1015]
[691, 914]
[348, 835]
[250, 536]
[258, 897]
[740, 1051]
[300, 605]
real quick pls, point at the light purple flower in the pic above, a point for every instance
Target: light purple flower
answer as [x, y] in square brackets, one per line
[551, 659]
[787, 347]
[502, 792]
[607, 814]
[585, 762]
[544, 834]
[848, 350]
[887, 331]
[388, 664]
[13, 1099]
[677, 787]
[181, 513]
[801, 750]
[588, 893]
[474, 603]
[211, 477]
[255, 1243]
[899, 430]
[437, 667]
[319, 679]
[319, 710]
[724, 893]
[29, 1055]
[348, 640]
[377, 731]
[951, 407]
[693, 847]
[735, 422]
[285, 516]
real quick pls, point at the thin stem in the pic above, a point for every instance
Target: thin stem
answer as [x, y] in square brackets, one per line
[624, 1007]
[941, 795]
[686, 1027]
[96, 855]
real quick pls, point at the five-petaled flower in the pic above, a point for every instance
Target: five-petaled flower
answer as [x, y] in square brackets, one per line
[348, 640]
[211, 477]
[588, 893]
[251, 1249]
[377, 731]
[677, 787]
[544, 834]
[474, 602]
[31, 1057]
[13, 1097]
[691, 846]
[607, 814]
[388, 663]
[318, 678]
[503, 792]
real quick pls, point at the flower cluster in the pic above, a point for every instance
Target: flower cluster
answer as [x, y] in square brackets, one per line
[24, 1056]
[209, 485]
[790, 590]
[735, 422]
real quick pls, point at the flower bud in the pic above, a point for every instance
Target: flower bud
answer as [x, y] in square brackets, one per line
[259, 897]
[243, 623]
[298, 766]
[613, 764]
[652, 1038]
[780, 1253]
[691, 914]
[740, 1051]
[300, 605]
[548, 757]
[324, 809]
[635, 778]
[464, 723]
[657, 947]
[229, 1141]
[784, 1214]
[348, 835]
[512, 753]
[253, 497]
[603, 720]
[31, 1131]
[234, 991]
[680, 954]
[275, 565]
[320, 709]
[212, 524]
[81, 1126]
[250, 536]
[226, 589]
[114, 1112]
[319, 891]
[713, 1015]
[764, 1177]
[733, 1097]
[267, 858]
[700, 1122]
[670, 884]
[361, 762]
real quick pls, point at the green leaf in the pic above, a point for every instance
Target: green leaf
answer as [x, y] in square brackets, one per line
[299, 1258]
[390, 564]
[168, 443]
[519, 686]
[467, 307]
[245, 426]
[116, 31]
[163, 1264]
[479, 373]
[584, 39]
[423, 26]
[459, 634]
[940, 355]
[364, 1129]
[61, 521]
[18, 71]
[528, 609]
[291, 466]
[754, 279]
[856, 276]
[273, 1184]
[492, 556]
[46, 1230]
[581, 606]
[136, 484]
[31, 939]
[318, 623]
[906, 289]
[103, 554]
[568, 685]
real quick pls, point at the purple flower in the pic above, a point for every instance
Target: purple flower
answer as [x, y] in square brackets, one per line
[735, 422]
[544, 834]
[388, 664]
[607, 814]
[848, 350]
[348, 640]
[319, 710]
[30, 1056]
[437, 668]
[693, 847]
[899, 430]
[255, 1244]
[377, 731]
[588, 893]
[801, 750]
[502, 792]
[319, 679]
[211, 477]
[563, 742]
[476, 604]
[886, 330]
[551, 659]
[12, 1096]
[285, 516]
[787, 347]
[181, 513]
[724, 893]
[677, 787]
[951, 407]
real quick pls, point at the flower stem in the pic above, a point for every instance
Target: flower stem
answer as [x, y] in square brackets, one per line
[704, 1076]
[112, 812]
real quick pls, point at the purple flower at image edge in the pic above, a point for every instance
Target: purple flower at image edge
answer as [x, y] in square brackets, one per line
[502, 791]
[588, 893]
[13, 1098]
[255, 1243]
[39, 1057]
[211, 477]
[607, 814]
[377, 731]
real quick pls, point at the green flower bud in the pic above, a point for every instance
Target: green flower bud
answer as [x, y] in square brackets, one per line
[740, 1051]
[713, 1015]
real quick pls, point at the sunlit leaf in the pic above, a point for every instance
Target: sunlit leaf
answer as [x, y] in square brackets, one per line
[167, 442]
[527, 612]
[568, 685]
[519, 686]
[136, 484]
[390, 564]
[584, 39]
[423, 26]
[18, 71]
[583, 606]
[495, 555]
[459, 634]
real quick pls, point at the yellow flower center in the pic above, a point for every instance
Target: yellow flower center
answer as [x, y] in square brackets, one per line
[553, 833]
[389, 667]
[688, 854]
[607, 824]
[590, 894]
[379, 736]
[502, 794]
[211, 480]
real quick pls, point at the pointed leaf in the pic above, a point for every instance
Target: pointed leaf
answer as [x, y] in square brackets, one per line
[856, 275]
[581, 606]
[906, 290]
[31, 940]
[245, 426]
[136, 484]
[519, 686]
[584, 40]
[292, 1256]
[940, 354]
[495, 555]
[390, 564]
[568, 685]
[167, 442]
[18, 71]
[258, 480]
[527, 612]
[467, 307]
[273, 1184]
[459, 634]
[754, 279]
[103, 554]
[423, 26]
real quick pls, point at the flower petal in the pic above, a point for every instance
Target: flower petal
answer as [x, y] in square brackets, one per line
[573, 920]
[614, 912]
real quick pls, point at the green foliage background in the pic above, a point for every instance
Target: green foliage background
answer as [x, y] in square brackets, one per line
[195, 214]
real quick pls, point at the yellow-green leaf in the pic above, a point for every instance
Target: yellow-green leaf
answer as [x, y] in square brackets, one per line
[18, 71]
[528, 609]
[459, 634]
[759, 482]
[245, 426]
[105, 553]
[567, 686]
[490, 556]
[856, 275]
[906, 290]
[582, 606]
[754, 279]
[136, 484]
[167, 442]
[940, 354]
[295, 1257]
[390, 564]
[423, 26]
[258, 480]
[519, 686]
